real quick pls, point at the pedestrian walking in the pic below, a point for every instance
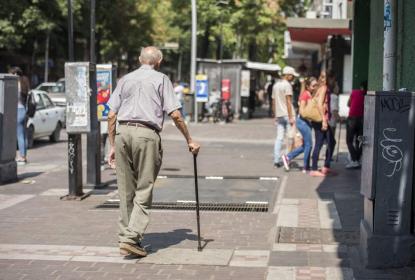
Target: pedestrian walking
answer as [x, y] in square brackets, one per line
[334, 90]
[23, 86]
[138, 104]
[304, 126]
[354, 125]
[322, 130]
[283, 109]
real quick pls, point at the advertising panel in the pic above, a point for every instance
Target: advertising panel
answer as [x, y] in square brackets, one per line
[202, 88]
[104, 90]
[245, 82]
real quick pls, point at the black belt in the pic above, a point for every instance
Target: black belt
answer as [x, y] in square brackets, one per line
[138, 124]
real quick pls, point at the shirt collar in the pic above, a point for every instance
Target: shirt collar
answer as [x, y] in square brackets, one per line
[146, 67]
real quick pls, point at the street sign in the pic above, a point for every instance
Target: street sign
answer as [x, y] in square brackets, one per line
[202, 88]
[104, 89]
[77, 95]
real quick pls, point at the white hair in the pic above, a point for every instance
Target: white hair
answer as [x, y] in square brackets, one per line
[150, 55]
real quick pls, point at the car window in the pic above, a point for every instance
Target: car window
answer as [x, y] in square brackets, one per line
[46, 100]
[44, 88]
[39, 102]
[55, 89]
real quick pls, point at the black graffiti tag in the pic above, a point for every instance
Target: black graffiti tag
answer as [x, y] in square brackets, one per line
[394, 104]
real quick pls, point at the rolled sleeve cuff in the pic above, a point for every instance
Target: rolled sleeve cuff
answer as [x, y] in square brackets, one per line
[173, 109]
[112, 108]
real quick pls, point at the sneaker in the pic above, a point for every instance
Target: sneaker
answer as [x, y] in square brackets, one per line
[328, 171]
[21, 161]
[133, 249]
[278, 164]
[353, 165]
[286, 162]
[317, 173]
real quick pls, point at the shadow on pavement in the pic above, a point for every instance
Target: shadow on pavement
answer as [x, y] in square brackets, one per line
[162, 240]
[28, 175]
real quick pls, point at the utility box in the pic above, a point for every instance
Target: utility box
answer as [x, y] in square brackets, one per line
[387, 238]
[8, 126]
[78, 92]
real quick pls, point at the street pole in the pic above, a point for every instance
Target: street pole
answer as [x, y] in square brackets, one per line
[47, 55]
[389, 45]
[221, 54]
[193, 58]
[93, 138]
[74, 140]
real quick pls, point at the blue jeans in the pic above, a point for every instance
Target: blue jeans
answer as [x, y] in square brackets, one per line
[282, 125]
[322, 137]
[21, 131]
[305, 129]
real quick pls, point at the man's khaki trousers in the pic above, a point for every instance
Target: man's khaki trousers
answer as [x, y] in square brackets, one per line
[138, 156]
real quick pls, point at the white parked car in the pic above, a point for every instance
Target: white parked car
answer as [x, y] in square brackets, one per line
[47, 121]
[56, 92]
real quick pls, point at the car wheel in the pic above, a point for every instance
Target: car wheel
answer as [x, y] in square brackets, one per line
[29, 136]
[56, 135]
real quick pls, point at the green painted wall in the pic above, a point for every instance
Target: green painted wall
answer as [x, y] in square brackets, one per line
[361, 36]
[405, 64]
[406, 45]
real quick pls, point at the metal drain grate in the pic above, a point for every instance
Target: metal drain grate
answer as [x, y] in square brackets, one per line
[204, 206]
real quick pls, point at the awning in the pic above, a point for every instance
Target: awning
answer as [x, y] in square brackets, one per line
[262, 66]
[316, 30]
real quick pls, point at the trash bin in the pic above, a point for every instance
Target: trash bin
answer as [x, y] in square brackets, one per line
[8, 125]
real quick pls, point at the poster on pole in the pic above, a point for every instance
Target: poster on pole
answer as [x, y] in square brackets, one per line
[104, 90]
[245, 82]
[77, 92]
[202, 88]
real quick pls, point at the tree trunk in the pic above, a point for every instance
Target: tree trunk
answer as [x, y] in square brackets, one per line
[205, 42]
[252, 51]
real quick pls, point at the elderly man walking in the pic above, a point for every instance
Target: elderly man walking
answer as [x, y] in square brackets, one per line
[138, 104]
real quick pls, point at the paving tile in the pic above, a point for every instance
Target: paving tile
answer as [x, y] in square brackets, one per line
[250, 258]
[288, 259]
[281, 273]
[329, 217]
[336, 273]
[284, 247]
[7, 201]
[288, 216]
[189, 256]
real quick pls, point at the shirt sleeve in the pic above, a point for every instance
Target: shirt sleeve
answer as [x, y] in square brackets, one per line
[170, 101]
[288, 90]
[115, 100]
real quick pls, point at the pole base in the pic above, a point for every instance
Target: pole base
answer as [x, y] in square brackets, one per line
[96, 186]
[8, 172]
[385, 251]
[69, 197]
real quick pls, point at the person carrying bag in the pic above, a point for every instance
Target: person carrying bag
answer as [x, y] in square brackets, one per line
[303, 125]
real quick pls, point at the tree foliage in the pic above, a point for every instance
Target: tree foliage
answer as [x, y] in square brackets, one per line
[250, 29]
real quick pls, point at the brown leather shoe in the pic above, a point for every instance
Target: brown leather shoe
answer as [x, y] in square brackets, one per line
[134, 249]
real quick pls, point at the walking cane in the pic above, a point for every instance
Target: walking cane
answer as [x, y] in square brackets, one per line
[199, 246]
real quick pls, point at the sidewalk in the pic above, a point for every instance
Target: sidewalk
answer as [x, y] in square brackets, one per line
[311, 230]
